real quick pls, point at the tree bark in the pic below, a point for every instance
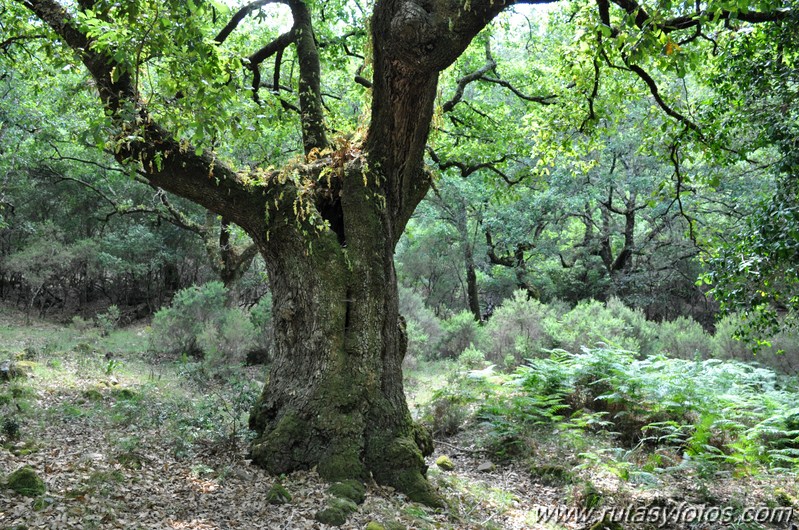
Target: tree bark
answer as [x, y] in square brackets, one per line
[335, 397]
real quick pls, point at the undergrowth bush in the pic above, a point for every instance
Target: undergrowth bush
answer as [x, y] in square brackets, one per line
[221, 416]
[419, 344]
[458, 332]
[471, 358]
[686, 339]
[636, 326]
[652, 389]
[590, 323]
[784, 354]
[727, 347]
[197, 323]
[422, 326]
[522, 328]
[780, 352]
[517, 328]
[176, 329]
[453, 406]
[109, 320]
[718, 413]
[227, 339]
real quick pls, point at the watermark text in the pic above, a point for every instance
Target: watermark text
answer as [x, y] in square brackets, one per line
[666, 516]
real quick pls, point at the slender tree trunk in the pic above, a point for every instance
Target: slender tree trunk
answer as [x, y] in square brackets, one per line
[228, 262]
[471, 285]
[472, 295]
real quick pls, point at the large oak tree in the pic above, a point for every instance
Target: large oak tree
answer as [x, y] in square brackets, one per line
[327, 225]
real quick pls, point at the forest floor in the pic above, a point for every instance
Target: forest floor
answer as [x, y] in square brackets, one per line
[126, 440]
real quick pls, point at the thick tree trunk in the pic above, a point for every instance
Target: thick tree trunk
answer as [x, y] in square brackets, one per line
[335, 398]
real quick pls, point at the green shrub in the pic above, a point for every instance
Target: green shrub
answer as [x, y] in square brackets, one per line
[448, 414]
[198, 323]
[419, 344]
[588, 495]
[422, 326]
[226, 340]
[218, 418]
[644, 332]
[176, 329]
[720, 413]
[784, 354]
[80, 324]
[685, 338]
[459, 331]
[452, 406]
[613, 383]
[108, 321]
[590, 323]
[780, 352]
[727, 346]
[778, 433]
[516, 329]
[471, 358]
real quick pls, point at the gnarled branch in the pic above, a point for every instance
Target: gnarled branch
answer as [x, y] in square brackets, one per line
[642, 17]
[544, 100]
[166, 162]
[464, 81]
[466, 170]
[6, 44]
[654, 90]
[240, 15]
[267, 51]
[275, 47]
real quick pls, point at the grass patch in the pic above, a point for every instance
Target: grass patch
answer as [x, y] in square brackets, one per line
[423, 379]
[108, 383]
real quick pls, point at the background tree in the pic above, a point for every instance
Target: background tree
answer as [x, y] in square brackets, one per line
[125, 249]
[754, 270]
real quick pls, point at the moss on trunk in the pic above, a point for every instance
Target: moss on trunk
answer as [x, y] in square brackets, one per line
[335, 399]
